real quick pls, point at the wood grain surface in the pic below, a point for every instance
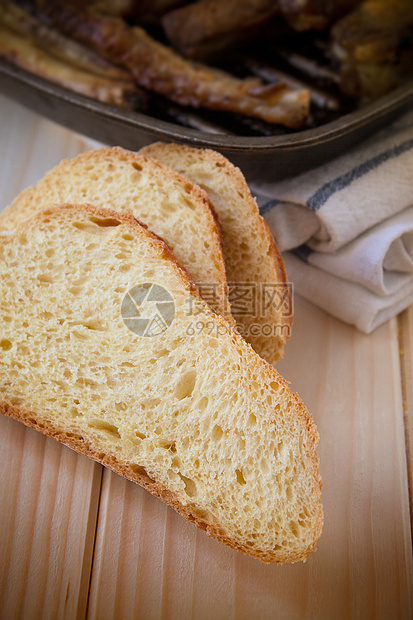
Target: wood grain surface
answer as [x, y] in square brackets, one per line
[406, 356]
[78, 541]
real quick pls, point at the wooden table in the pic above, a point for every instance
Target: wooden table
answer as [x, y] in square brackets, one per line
[77, 541]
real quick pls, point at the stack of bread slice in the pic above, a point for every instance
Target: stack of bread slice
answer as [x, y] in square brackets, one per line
[193, 214]
[105, 244]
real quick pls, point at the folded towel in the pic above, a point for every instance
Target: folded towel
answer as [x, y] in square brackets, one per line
[343, 299]
[349, 224]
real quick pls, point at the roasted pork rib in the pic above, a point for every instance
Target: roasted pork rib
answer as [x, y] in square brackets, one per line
[373, 46]
[314, 14]
[156, 67]
[211, 25]
[45, 52]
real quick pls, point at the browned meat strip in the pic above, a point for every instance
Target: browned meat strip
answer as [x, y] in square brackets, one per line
[23, 53]
[155, 67]
[57, 45]
[142, 11]
[314, 14]
[208, 25]
[46, 53]
[374, 47]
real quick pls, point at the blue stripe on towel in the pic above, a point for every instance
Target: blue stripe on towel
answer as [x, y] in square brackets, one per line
[269, 205]
[322, 195]
[303, 252]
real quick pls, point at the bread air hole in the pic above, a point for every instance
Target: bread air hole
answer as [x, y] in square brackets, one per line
[141, 471]
[107, 222]
[125, 267]
[167, 445]
[252, 420]
[76, 291]
[217, 433]
[111, 429]
[160, 353]
[185, 385]
[190, 486]
[240, 477]
[264, 466]
[45, 279]
[294, 528]
[93, 324]
[97, 226]
[78, 335]
[203, 403]
[200, 513]
[5, 344]
[176, 462]
[167, 207]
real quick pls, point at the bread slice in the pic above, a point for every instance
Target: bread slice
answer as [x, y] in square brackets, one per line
[259, 292]
[191, 412]
[171, 206]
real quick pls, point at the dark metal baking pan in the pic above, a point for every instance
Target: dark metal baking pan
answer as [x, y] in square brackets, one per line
[260, 158]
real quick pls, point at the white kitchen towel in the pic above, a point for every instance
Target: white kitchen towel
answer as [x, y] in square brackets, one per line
[346, 300]
[331, 205]
[381, 259]
[349, 224]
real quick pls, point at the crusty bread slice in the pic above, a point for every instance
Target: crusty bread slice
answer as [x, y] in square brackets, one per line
[192, 413]
[171, 206]
[259, 292]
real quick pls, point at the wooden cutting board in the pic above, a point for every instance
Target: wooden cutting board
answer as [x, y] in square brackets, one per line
[77, 541]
